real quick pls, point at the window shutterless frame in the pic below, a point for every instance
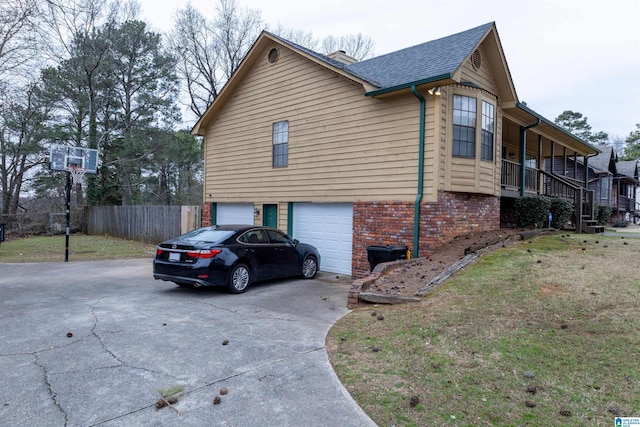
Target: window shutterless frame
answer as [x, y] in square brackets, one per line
[464, 126]
[465, 130]
[280, 144]
[488, 130]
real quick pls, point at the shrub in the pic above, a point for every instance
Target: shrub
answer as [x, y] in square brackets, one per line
[562, 210]
[602, 214]
[532, 211]
[620, 223]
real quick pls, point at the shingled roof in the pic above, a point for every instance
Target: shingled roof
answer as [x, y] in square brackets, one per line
[431, 60]
[421, 62]
[604, 161]
[628, 168]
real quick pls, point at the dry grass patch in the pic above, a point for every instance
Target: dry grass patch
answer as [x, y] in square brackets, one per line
[543, 333]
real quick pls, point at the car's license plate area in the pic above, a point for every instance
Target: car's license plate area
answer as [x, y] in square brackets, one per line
[174, 256]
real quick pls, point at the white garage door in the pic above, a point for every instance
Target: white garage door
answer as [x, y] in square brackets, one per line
[234, 213]
[328, 227]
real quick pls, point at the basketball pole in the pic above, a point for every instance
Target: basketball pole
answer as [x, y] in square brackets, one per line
[68, 229]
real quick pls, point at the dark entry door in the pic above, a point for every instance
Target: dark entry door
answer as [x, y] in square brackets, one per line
[270, 215]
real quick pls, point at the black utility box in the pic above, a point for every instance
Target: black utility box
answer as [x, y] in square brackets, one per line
[2, 232]
[378, 254]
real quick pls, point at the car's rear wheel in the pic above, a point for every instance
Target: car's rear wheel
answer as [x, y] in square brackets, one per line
[239, 279]
[309, 267]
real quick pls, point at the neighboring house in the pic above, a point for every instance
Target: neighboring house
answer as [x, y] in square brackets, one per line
[601, 172]
[410, 148]
[613, 182]
[626, 180]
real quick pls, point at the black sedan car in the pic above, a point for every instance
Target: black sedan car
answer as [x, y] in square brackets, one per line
[233, 256]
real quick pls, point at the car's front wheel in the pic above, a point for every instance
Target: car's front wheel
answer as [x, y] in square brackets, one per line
[239, 279]
[309, 267]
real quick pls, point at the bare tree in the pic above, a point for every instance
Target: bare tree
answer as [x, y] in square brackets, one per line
[21, 135]
[195, 44]
[17, 37]
[618, 144]
[357, 46]
[300, 37]
[209, 51]
[236, 29]
[67, 19]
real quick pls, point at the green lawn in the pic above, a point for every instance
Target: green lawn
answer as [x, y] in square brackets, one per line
[81, 248]
[544, 333]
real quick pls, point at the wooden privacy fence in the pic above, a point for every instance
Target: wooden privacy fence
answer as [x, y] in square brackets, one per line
[150, 224]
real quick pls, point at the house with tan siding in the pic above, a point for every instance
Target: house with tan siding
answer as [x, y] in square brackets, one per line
[412, 148]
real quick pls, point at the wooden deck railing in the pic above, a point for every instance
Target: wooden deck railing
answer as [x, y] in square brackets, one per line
[557, 186]
[511, 176]
[625, 204]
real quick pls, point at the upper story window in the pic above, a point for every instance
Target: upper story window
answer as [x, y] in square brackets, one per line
[280, 142]
[488, 126]
[464, 126]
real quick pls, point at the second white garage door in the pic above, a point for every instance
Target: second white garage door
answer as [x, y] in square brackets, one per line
[328, 227]
[234, 213]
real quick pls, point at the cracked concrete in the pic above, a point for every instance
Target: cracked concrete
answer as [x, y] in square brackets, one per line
[132, 336]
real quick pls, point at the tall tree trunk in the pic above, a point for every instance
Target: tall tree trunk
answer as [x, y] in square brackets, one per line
[126, 188]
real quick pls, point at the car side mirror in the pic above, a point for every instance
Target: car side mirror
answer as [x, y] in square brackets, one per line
[295, 242]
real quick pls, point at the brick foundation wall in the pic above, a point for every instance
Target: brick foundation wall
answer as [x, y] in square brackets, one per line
[454, 214]
[205, 215]
[379, 223]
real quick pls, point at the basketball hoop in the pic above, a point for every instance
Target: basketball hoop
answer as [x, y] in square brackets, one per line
[77, 174]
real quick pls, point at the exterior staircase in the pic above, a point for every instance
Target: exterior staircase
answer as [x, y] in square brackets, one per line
[582, 198]
[591, 226]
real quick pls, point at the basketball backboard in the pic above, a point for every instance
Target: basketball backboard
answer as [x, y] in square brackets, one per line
[65, 157]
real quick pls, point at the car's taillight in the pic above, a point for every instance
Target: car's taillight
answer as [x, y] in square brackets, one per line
[159, 251]
[204, 253]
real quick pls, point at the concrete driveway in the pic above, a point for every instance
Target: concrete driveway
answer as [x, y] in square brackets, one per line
[92, 343]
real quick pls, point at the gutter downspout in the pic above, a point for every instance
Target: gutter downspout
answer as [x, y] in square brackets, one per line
[586, 170]
[523, 154]
[416, 214]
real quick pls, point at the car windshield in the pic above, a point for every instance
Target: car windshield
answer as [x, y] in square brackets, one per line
[209, 235]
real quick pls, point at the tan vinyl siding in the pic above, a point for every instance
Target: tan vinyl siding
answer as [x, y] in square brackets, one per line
[444, 154]
[482, 77]
[488, 178]
[469, 175]
[343, 146]
[497, 178]
[431, 150]
[283, 216]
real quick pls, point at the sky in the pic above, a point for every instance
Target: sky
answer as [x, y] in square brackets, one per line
[579, 55]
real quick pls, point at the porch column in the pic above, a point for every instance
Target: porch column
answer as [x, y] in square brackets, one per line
[523, 155]
[539, 176]
[540, 165]
[553, 156]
